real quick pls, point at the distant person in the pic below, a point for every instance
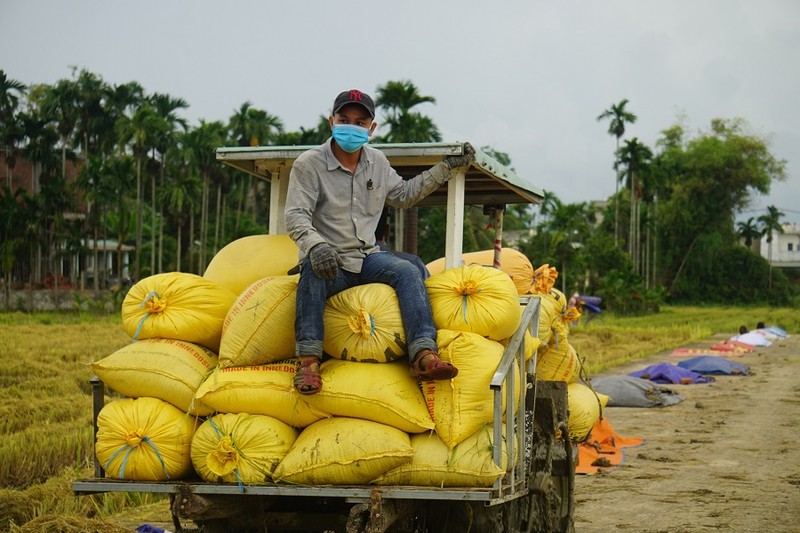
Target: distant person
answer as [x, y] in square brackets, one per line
[760, 325]
[742, 330]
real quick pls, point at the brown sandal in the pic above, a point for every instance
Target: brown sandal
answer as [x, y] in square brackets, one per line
[428, 367]
[307, 379]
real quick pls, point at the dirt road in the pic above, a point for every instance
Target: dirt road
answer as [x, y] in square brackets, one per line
[727, 458]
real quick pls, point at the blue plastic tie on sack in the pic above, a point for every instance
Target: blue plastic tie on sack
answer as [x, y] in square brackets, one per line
[144, 302]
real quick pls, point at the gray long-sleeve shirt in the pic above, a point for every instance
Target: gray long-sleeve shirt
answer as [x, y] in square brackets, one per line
[326, 203]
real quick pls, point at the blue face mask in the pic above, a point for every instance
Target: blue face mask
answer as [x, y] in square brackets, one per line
[350, 137]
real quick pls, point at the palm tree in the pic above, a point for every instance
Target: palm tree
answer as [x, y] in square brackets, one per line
[91, 89]
[771, 224]
[10, 92]
[618, 116]
[567, 228]
[249, 126]
[200, 144]
[180, 195]
[749, 231]
[165, 107]
[140, 130]
[60, 106]
[396, 99]
[635, 158]
[11, 132]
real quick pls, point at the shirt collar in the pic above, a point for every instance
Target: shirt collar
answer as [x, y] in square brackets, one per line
[366, 156]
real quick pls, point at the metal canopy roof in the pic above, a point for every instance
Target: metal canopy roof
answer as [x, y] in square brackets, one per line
[487, 181]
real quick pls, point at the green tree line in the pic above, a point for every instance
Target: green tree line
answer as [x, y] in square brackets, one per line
[144, 177]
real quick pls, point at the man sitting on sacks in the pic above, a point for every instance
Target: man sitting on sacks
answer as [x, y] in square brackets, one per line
[335, 198]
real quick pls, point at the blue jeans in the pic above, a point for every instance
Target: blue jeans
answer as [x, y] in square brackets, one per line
[379, 267]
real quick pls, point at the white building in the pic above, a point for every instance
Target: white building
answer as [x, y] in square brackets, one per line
[785, 247]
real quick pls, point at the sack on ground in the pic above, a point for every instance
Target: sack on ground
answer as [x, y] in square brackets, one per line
[381, 392]
[144, 439]
[585, 408]
[166, 369]
[249, 259]
[344, 451]
[179, 306]
[259, 328]
[476, 299]
[363, 323]
[468, 464]
[259, 390]
[240, 448]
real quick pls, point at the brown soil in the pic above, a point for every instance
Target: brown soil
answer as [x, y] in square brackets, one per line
[726, 458]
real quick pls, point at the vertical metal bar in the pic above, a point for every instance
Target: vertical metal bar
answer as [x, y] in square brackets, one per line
[98, 399]
[497, 437]
[454, 236]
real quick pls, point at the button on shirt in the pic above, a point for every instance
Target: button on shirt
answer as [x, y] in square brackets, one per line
[327, 203]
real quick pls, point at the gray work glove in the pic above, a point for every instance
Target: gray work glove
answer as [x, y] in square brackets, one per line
[455, 161]
[325, 262]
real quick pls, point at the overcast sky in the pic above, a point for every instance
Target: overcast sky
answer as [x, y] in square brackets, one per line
[526, 77]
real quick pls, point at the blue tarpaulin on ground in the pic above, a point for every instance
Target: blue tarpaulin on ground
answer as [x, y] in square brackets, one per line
[669, 373]
[713, 364]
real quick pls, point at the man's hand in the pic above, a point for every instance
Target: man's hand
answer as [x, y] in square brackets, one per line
[325, 262]
[455, 161]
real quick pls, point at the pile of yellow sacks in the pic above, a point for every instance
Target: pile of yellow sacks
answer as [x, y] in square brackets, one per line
[208, 380]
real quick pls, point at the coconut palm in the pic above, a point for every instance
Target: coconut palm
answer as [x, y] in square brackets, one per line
[249, 126]
[396, 99]
[11, 132]
[618, 116]
[771, 223]
[635, 158]
[10, 92]
[749, 231]
[200, 144]
[140, 131]
[166, 108]
[179, 194]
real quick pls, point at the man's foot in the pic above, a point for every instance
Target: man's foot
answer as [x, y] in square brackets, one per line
[307, 379]
[428, 367]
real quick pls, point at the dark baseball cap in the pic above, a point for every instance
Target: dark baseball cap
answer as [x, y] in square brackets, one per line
[354, 96]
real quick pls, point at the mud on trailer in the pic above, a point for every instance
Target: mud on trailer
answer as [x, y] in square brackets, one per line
[536, 491]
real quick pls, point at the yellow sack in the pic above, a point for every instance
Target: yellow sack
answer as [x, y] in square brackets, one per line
[166, 369]
[544, 278]
[476, 299]
[259, 327]
[558, 364]
[469, 464]
[144, 439]
[461, 405]
[381, 392]
[553, 307]
[344, 451]
[585, 408]
[513, 262]
[530, 343]
[178, 306]
[249, 259]
[240, 448]
[363, 323]
[259, 390]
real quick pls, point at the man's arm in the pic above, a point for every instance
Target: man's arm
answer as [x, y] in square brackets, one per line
[407, 193]
[301, 200]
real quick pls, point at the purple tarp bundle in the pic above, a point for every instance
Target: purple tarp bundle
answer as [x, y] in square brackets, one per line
[669, 373]
[712, 364]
